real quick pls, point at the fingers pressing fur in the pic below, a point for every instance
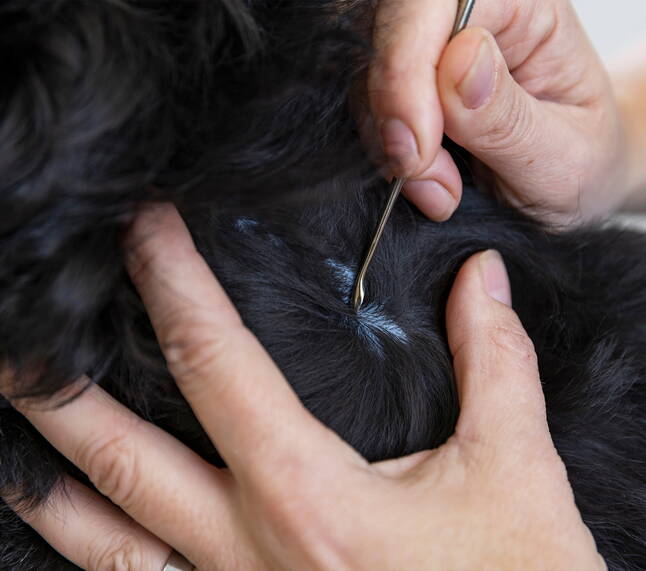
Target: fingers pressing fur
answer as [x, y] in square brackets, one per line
[135, 463]
[236, 391]
[93, 533]
[494, 359]
[438, 190]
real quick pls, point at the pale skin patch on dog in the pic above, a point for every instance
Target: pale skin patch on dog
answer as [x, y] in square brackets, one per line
[246, 224]
[370, 318]
[243, 224]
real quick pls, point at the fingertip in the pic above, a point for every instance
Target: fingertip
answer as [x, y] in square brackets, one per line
[465, 292]
[400, 147]
[169, 273]
[481, 281]
[157, 233]
[432, 198]
[156, 226]
[410, 127]
[495, 279]
[151, 216]
[438, 191]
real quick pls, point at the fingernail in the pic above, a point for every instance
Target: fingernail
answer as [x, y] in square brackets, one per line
[431, 198]
[478, 84]
[400, 146]
[494, 276]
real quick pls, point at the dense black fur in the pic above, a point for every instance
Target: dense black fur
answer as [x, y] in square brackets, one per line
[105, 104]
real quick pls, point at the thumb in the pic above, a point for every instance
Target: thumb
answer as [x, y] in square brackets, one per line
[494, 118]
[494, 360]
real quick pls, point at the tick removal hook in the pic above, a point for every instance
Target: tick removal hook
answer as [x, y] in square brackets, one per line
[465, 7]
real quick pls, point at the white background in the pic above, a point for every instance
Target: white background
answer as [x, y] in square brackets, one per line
[612, 24]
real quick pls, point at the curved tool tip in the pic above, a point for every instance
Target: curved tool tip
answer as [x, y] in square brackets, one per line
[357, 297]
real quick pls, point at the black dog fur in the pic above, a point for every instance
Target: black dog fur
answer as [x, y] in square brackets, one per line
[239, 113]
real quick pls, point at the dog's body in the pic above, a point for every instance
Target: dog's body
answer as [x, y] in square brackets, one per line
[382, 378]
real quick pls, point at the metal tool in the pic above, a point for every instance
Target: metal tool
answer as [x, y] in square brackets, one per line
[465, 7]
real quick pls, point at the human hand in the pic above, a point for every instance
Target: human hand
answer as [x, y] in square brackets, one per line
[495, 496]
[628, 76]
[522, 89]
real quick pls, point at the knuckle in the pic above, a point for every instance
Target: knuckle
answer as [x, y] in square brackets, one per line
[189, 353]
[193, 350]
[512, 339]
[390, 71]
[117, 552]
[509, 124]
[112, 464]
[141, 262]
[145, 257]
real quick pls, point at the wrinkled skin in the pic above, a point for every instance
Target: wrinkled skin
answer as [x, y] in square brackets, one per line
[521, 88]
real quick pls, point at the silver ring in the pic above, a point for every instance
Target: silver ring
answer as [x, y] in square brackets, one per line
[177, 562]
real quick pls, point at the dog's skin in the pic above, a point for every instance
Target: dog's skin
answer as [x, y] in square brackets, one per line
[106, 104]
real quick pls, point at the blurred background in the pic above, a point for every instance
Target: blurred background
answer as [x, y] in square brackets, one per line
[614, 28]
[612, 25]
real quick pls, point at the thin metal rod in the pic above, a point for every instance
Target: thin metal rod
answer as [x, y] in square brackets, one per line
[464, 13]
[359, 293]
[465, 7]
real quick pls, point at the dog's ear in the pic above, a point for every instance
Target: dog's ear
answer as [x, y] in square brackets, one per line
[83, 131]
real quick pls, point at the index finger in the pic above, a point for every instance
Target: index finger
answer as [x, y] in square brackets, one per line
[409, 38]
[236, 391]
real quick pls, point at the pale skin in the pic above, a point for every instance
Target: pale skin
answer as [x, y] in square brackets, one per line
[524, 91]
[496, 495]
